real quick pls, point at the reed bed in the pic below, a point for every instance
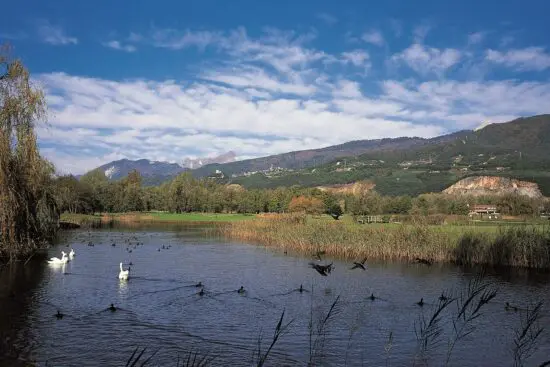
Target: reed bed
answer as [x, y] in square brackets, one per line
[525, 246]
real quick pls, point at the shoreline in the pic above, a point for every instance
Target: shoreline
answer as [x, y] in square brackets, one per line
[510, 245]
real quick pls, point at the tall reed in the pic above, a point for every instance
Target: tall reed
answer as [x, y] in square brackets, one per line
[524, 246]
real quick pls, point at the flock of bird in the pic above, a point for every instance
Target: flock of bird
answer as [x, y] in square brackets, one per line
[324, 270]
[64, 259]
[122, 275]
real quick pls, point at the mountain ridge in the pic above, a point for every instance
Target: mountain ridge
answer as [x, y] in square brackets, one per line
[516, 148]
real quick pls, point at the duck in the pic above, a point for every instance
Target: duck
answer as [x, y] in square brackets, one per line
[421, 303]
[423, 261]
[359, 264]
[59, 315]
[241, 290]
[201, 292]
[55, 260]
[112, 308]
[123, 275]
[372, 297]
[509, 307]
[199, 284]
[324, 270]
[443, 297]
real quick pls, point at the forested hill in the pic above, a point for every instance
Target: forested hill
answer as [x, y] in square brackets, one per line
[517, 149]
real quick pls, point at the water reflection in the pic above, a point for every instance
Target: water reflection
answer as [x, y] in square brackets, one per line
[123, 288]
[17, 284]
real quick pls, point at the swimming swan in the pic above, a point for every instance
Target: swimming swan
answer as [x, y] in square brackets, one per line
[71, 254]
[55, 260]
[123, 273]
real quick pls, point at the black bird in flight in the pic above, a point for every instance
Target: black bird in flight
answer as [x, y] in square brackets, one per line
[324, 270]
[359, 265]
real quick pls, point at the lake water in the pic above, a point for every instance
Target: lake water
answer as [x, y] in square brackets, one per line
[158, 307]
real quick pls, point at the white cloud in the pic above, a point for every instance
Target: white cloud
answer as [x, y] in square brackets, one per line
[347, 89]
[530, 58]
[54, 35]
[116, 45]
[357, 58]
[165, 118]
[253, 77]
[420, 32]
[177, 40]
[425, 60]
[374, 37]
[327, 18]
[268, 95]
[466, 104]
[476, 38]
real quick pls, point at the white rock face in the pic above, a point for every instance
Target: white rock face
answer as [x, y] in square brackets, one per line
[109, 172]
[493, 185]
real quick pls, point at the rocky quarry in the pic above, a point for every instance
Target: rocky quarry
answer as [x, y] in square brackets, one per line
[493, 185]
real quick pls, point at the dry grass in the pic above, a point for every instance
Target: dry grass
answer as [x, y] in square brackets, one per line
[527, 246]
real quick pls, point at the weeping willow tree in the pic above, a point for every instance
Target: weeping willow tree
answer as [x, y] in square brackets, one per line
[28, 212]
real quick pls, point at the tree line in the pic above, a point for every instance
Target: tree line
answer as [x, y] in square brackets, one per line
[95, 193]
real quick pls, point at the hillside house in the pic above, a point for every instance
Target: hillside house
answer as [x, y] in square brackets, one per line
[479, 210]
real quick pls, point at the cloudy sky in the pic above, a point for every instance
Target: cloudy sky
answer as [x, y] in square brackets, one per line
[165, 80]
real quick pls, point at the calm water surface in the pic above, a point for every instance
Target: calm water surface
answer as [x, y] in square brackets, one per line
[159, 308]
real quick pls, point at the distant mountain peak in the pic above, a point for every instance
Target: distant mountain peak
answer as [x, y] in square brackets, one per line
[111, 171]
[202, 161]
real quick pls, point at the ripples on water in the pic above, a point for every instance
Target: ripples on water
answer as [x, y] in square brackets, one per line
[159, 307]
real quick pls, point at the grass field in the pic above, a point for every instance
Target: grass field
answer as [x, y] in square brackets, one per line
[84, 219]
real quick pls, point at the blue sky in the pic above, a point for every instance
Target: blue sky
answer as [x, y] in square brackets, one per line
[166, 80]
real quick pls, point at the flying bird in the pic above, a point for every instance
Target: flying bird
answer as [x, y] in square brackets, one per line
[324, 270]
[359, 265]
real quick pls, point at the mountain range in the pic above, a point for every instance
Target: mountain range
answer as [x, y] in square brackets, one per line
[405, 165]
[155, 171]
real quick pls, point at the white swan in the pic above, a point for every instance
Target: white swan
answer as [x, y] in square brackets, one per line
[123, 273]
[55, 260]
[71, 254]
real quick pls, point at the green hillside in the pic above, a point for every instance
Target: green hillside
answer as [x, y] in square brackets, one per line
[518, 149]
